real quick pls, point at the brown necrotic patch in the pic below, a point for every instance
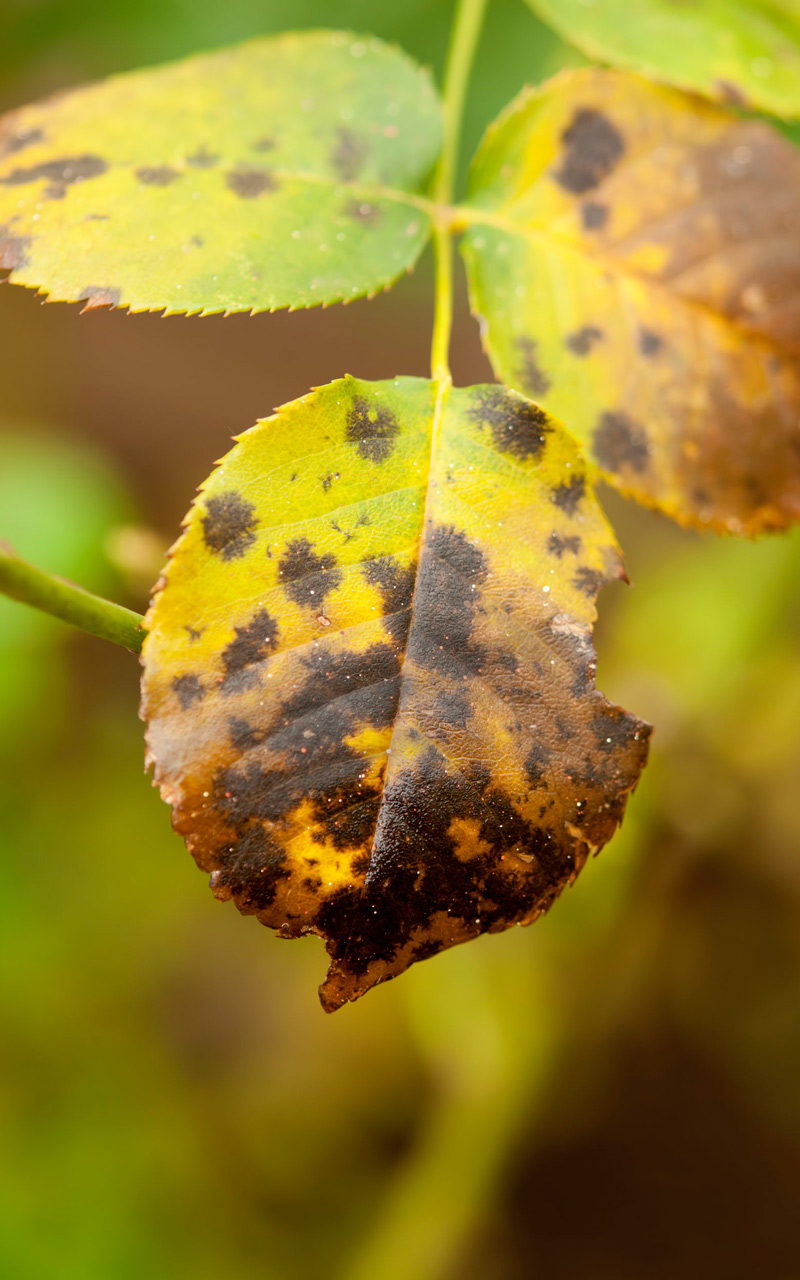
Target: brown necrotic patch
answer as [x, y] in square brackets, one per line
[619, 442]
[12, 143]
[13, 249]
[229, 525]
[372, 428]
[61, 173]
[533, 378]
[593, 148]
[567, 496]
[518, 427]
[250, 183]
[252, 643]
[307, 577]
[349, 154]
[189, 690]
[99, 296]
[580, 342]
[158, 175]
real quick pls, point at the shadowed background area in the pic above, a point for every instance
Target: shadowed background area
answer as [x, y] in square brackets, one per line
[611, 1094]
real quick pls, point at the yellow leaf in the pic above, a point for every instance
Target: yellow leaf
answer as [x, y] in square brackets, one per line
[634, 255]
[369, 678]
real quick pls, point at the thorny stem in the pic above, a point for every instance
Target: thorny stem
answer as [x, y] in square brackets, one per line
[21, 581]
[463, 44]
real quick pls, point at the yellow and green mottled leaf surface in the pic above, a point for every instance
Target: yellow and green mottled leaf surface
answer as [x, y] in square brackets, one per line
[273, 174]
[635, 260]
[745, 52]
[369, 677]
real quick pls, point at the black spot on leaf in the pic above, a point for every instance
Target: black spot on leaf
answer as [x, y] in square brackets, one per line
[650, 343]
[229, 525]
[250, 183]
[559, 543]
[535, 381]
[594, 216]
[306, 577]
[518, 427]
[453, 709]
[395, 582]
[619, 442]
[264, 144]
[159, 175]
[371, 428]
[589, 581]
[250, 870]
[568, 495]
[349, 154]
[202, 159]
[252, 644]
[63, 172]
[13, 143]
[593, 148]
[189, 689]
[536, 762]
[581, 342]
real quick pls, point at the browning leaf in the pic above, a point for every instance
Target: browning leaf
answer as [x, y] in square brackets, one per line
[278, 173]
[636, 263]
[369, 678]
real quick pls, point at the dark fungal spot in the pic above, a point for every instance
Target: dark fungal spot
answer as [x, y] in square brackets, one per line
[327, 480]
[264, 144]
[581, 342]
[229, 525]
[349, 154]
[252, 644]
[250, 183]
[360, 864]
[453, 709]
[13, 249]
[395, 582]
[558, 543]
[614, 730]
[427, 950]
[650, 343]
[371, 428]
[518, 427]
[194, 633]
[243, 736]
[362, 211]
[536, 762]
[189, 689]
[158, 175]
[533, 377]
[250, 870]
[594, 216]
[451, 571]
[99, 297]
[567, 496]
[594, 147]
[620, 442]
[202, 159]
[589, 581]
[11, 144]
[62, 173]
[306, 577]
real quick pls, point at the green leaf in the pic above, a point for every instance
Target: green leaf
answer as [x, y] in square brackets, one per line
[743, 52]
[634, 257]
[369, 679]
[279, 173]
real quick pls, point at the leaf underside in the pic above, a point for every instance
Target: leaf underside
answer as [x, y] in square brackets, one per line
[273, 174]
[369, 679]
[742, 52]
[638, 272]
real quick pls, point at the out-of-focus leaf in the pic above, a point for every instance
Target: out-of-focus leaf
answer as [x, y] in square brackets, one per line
[369, 678]
[745, 52]
[635, 260]
[278, 173]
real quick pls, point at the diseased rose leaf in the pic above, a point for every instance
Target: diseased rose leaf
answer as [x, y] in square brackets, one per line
[742, 52]
[635, 259]
[369, 678]
[278, 173]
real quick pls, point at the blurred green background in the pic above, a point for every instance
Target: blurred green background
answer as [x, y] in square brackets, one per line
[612, 1095]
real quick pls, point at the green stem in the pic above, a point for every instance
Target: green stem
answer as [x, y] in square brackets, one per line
[21, 581]
[463, 45]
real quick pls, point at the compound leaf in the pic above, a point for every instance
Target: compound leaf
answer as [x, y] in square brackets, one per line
[369, 678]
[743, 52]
[635, 260]
[279, 173]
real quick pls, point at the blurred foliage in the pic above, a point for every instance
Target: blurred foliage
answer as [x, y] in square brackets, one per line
[611, 1095]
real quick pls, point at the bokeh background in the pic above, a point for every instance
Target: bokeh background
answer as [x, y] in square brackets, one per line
[611, 1095]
